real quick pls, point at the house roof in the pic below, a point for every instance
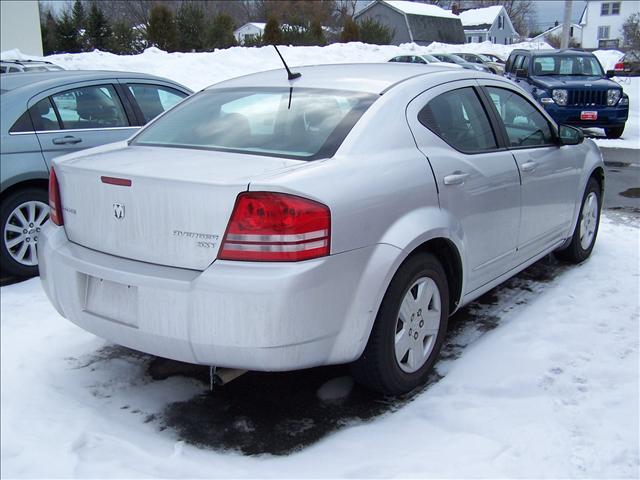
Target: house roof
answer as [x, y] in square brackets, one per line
[478, 17]
[412, 8]
[553, 29]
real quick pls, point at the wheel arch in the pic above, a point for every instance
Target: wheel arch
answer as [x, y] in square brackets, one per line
[40, 183]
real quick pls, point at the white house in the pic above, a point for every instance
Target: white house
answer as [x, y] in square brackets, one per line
[490, 24]
[20, 26]
[251, 29]
[602, 22]
[575, 34]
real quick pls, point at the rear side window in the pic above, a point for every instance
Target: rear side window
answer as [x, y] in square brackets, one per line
[44, 116]
[23, 124]
[154, 99]
[459, 119]
[90, 107]
[525, 125]
[293, 123]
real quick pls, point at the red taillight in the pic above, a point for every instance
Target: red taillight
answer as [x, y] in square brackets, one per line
[276, 227]
[619, 66]
[54, 199]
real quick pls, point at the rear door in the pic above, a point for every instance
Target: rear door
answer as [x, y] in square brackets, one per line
[478, 182]
[86, 115]
[549, 173]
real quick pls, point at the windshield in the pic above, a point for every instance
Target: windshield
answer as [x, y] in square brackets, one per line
[455, 58]
[583, 65]
[282, 122]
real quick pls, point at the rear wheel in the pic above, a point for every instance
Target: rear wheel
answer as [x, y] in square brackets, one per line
[22, 215]
[586, 231]
[409, 328]
[615, 132]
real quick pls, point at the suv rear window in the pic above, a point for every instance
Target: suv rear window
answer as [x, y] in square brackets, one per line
[292, 123]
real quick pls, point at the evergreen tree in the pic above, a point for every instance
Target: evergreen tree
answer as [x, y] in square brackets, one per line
[66, 40]
[98, 30]
[49, 27]
[190, 27]
[350, 31]
[272, 33]
[161, 31]
[316, 34]
[79, 19]
[221, 32]
[123, 39]
[370, 31]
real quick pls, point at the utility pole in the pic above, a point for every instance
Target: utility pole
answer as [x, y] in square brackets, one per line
[566, 24]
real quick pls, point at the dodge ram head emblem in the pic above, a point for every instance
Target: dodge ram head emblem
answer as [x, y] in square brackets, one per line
[118, 210]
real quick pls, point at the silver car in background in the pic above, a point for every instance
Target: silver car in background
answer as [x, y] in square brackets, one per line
[48, 114]
[273, 224]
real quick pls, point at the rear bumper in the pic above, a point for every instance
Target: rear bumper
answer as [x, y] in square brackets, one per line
[608, 117]
[256, 316]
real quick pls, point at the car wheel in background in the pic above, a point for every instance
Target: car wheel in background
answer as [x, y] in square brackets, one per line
[586, 231]
[409, 329]
[22, 215]
[614, 132]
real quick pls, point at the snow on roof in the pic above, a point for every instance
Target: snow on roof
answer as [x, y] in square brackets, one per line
[413, 8]
[480, 16]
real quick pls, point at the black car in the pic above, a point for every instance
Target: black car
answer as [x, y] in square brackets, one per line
[629, 64]
[572, 87]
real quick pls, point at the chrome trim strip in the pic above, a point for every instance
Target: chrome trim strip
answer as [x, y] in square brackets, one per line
[261, 247]
[137, 127]
[297, 237]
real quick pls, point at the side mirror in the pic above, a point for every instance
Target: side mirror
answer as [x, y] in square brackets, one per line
[521, 73]
[610, 73]
[570, 135]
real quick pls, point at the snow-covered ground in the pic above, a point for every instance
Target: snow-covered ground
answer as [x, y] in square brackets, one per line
[541, 382]
[199, 70]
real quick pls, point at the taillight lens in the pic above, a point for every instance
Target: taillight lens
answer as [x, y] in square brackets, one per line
[276, 227]
[619, 66]
[54, 199]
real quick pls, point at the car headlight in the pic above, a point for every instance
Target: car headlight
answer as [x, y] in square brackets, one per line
[560, 96]
[624, 101]
[613, 95]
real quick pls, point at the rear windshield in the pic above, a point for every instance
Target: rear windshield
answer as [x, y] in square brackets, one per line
[567, 65]
[282, 122]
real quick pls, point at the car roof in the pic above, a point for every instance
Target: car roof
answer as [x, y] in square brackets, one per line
[25, 62]
[549, 51]
[31, 83]
[361, 77]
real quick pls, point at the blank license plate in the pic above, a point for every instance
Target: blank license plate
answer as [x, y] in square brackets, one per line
[114, 301]
[588, 115]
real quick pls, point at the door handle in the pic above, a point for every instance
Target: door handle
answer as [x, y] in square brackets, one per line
[456, 178]
[66, 139]
[529, 167]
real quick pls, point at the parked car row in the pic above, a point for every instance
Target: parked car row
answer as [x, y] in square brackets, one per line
[469, 61]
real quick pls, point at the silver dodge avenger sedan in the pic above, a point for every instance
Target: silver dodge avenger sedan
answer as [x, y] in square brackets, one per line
[342, 216]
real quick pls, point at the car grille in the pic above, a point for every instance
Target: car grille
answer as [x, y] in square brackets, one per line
[587, 97]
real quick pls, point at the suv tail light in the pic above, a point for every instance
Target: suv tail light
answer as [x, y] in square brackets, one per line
[54, 199]
[619, 66]
[276, 227]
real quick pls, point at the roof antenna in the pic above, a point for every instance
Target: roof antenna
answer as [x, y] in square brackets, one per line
[291, 75]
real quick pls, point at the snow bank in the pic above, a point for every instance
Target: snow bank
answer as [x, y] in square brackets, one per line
[551, 392]
[199, 70]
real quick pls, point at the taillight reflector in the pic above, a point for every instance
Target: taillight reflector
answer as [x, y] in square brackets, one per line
[123, 182]
[619, 66]
[276, 227]
[54, 199]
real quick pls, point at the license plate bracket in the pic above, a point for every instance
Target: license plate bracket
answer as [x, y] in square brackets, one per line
[111, 300]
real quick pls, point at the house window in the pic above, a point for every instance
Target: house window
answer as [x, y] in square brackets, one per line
[603, 32]
[500, 22]
[604, 9]
[615, 8]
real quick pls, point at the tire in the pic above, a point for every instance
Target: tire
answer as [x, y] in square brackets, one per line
[588, 222]
[380, 367]
[22, 214]
[615, 132]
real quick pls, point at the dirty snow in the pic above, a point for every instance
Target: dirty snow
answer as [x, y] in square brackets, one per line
[199, 70]
[547, 386]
